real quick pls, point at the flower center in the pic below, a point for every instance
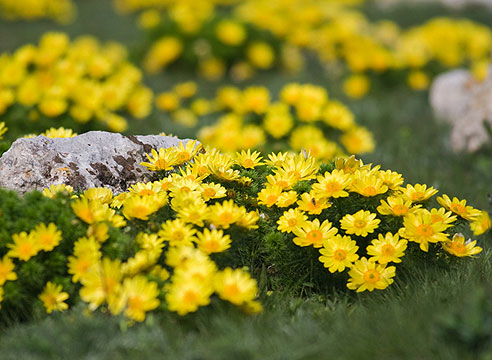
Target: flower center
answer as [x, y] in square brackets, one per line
[372, 276]
[332, 186]
[248, 163]
[314, 236]
[387, 250]
[339, 254]
[271, 199]
[190, 297]
[359, 223]
[458, 209]
[369, 190]
[400, 209]
[425, 230]
[160, 164]
[458, 247]
[292, 222]
[417, 196]
[145, 192]
[436, 218]
[209, 192]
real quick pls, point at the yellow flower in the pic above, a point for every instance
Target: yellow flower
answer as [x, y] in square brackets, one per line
[101, 283]
[312, 204]
[459, 247]
[337, 115]
[212, 191]
[249, 160]
[256, 99]
[141, 207]
[338, 253]
[185, 89]
[53, 298]
[396, 206]
[24, 247]
[269, 195]
[442, 216]
[260, 55]
[86, 255]
[361, 223]
[100, 194]
[367, 275]
[367, 185]
[235, 286]
[53, 190]
[167, 101]
[224, 214]
[46, 237]
[313, 233]
[195, 213]
[177, 232]
[278, 121]
[163, 52]
[418, 80]
[358, 140]
[230, 32]
[187, 296]
[185, 153]
[166, 159]
[332, 184]
[291, 219]
[61, 132]
[282, 179]
[387, 248]
[286, 199]
[481, 223]
[213, 241]
[419, 228]
[356, 86]
[7, 270]
[418, 193]
[391, 179]
[459, 207]
[91, 211]
[248, 220]
[3, 129]
[139, 296]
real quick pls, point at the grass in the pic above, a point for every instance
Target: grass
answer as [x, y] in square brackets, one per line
[431, 313]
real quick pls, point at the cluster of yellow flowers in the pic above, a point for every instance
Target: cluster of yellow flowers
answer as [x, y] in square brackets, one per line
[61, 11]
[335, 32]
[340, 235]
[302, 118]
[187, 220]
[83, 78]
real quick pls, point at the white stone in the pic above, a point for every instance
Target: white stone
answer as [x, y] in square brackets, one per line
[93, 159]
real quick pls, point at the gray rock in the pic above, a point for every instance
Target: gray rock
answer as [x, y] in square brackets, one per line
[93, 159]
[465, 103]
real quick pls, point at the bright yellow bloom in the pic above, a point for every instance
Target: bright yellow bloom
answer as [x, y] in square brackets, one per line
[459, 207]
[282, 179]
[103, 195]
[187, 296]
[290, 220]
[338, 253]
[260, 55]
[442, 216]
[367, 275]
[24, 247]
[332, 184]
[3, 129]
[358, 140]
[177, 232]
[185, 153]
[311, 204]
[419, 228]
[230, 32]
[313, 233]
[391, 179]
[46, 237]
[387, 248]
[224, 214]
[249, 160]
[459, 247]
[163, 52]
[418, 193]
[7, 270]
[286, 199]
[213, 241]
[53, 298]
[367, 185]
[141, 207]
[338, 116]
[92, 211]
[418, 80]
[195, 213]
[139, 296]
[53, 190]
[61, 132]
[166, 159]
[235, 286]
[481, 224]
[361, 223]
[278, 120]
[356, 86]
[396, 206]
[269, 195]
[212, 191]
[86, 255]
[248, 220]
[101, 283]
